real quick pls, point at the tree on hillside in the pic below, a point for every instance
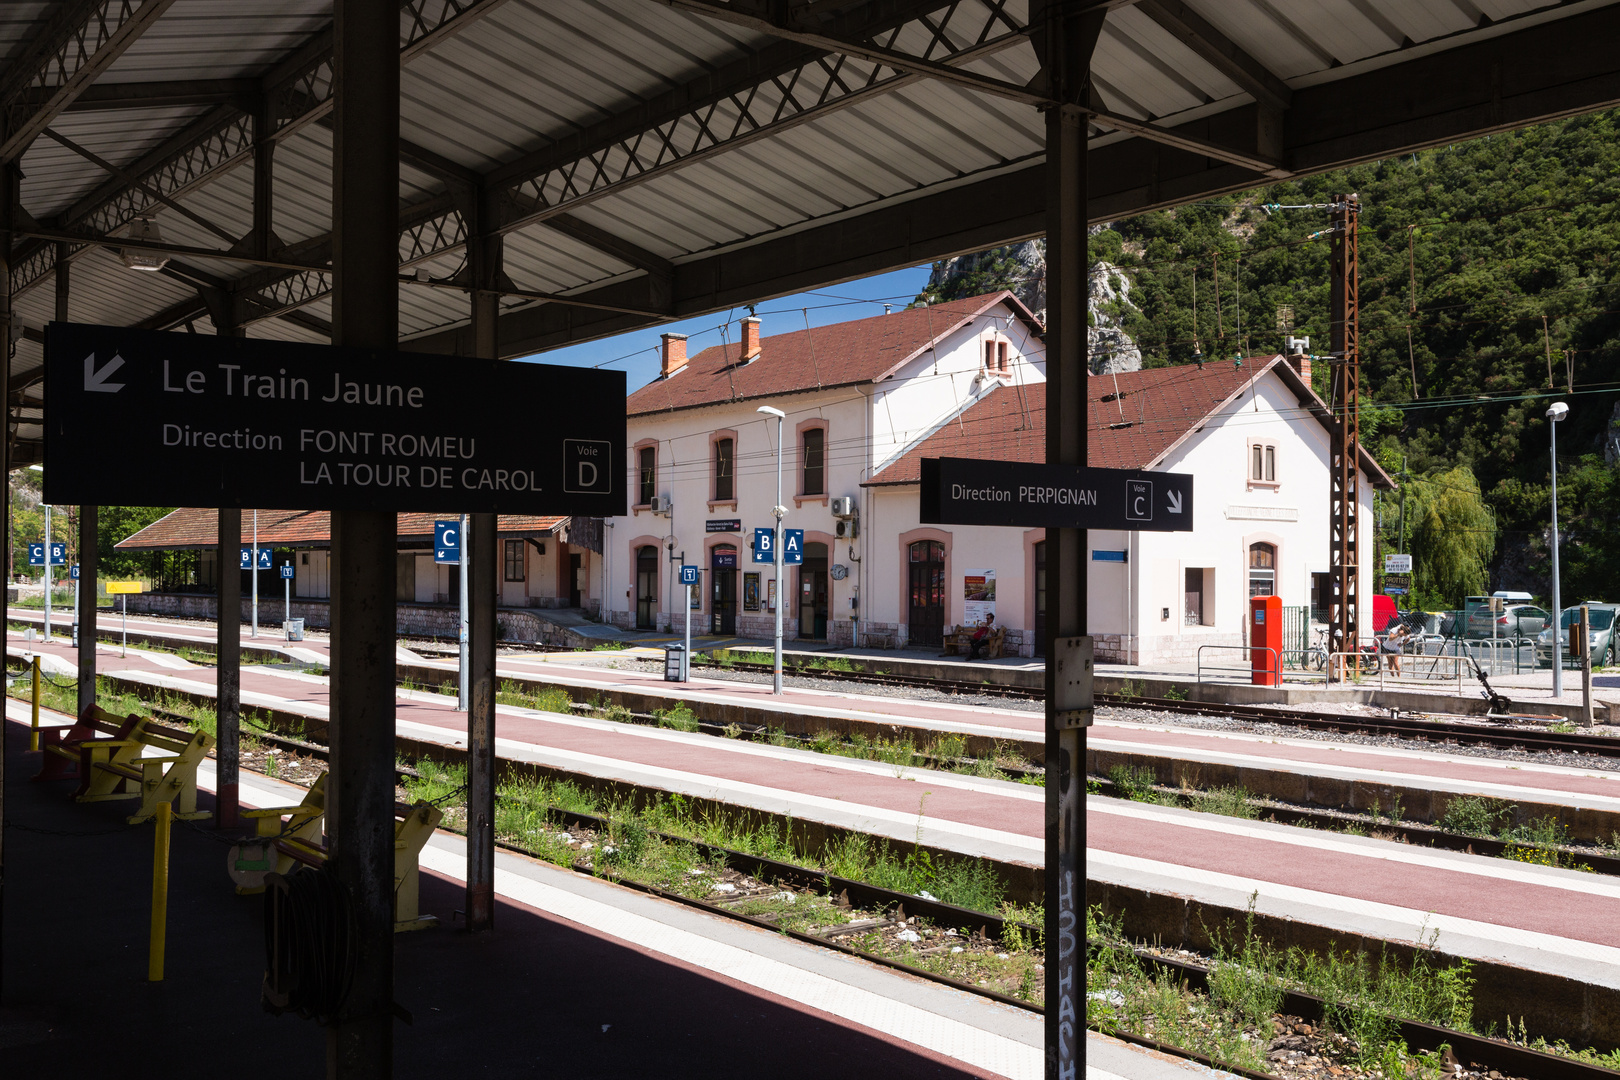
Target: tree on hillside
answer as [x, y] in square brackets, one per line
[1453, 536]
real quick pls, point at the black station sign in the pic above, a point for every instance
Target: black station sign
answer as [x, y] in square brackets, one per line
[149, 419]
[968, 491]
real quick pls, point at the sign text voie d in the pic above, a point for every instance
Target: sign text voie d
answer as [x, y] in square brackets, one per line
[193, 420]
[1032, 495]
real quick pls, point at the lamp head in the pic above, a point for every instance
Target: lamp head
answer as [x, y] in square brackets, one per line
[1557, 411]
[768, 411]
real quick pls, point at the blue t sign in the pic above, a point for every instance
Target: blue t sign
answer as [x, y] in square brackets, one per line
[764, 545]
[689, 575]
[447, 541]
[792, 547]
[287, 571]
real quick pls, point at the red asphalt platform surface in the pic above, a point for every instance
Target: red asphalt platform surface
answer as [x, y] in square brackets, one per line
[1535, 779]
[961, 801]
[538, 997]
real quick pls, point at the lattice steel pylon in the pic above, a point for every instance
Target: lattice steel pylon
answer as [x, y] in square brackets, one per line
[1344, 472]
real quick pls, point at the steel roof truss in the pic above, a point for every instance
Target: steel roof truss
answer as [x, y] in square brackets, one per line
[74, 48]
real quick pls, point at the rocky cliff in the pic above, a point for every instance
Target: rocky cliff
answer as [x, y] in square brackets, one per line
[1021, 268]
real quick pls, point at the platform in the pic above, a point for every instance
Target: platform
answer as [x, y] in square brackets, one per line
[581, 978]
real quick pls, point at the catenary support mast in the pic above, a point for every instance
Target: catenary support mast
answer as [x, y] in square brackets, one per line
[1345, 436]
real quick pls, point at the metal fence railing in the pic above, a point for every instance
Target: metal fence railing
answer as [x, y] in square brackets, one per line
[1272, 672]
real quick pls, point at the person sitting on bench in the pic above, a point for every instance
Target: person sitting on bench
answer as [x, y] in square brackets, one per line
[980, 641]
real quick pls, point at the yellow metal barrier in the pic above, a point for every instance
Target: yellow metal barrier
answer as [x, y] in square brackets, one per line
[33, 733]
[160, 896]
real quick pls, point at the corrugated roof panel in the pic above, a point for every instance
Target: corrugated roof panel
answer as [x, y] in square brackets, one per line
[55, 177]
[545, 260]
[528, 73]
[303, 185]
[1153, 68]
[104, 290]
[20, 22]
[220, 39]
[1276, 43]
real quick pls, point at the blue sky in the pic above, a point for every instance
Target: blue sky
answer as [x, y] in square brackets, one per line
[636, 353]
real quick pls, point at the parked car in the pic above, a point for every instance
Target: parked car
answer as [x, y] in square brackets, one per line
[1511, 621]
[1601, 640]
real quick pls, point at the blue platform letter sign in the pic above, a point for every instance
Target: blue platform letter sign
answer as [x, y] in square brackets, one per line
[263, 559]
[447, 541]
[689, 575]
[764, 545]
[73, 571]
[36, 554]
[287, 571]
[793, 546]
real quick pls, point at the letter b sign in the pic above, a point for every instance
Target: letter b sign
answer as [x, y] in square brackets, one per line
[588, 467]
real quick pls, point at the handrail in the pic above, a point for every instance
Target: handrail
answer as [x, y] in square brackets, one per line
[1274, 671]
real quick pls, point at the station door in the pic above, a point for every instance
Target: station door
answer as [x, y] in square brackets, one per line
[647, 588]
[926, 618]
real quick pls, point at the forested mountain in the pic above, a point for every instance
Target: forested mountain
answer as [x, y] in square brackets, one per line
[1490, 286]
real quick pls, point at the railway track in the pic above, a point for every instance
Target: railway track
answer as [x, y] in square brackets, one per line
[1485, 733]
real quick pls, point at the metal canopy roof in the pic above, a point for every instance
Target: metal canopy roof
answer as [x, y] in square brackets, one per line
[646, 160]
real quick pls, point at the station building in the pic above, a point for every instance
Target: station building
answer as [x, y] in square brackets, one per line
[866, 401]
[546, 562]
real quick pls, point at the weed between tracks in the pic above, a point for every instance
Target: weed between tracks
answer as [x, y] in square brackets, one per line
[529, 813]
[1238, 1022]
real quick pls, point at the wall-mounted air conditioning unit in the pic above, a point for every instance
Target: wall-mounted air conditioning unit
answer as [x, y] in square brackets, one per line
[661, 504]
[848, 529]
[843, 507]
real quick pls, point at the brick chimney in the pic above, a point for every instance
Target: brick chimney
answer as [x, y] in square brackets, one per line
[750, 337]
[1299, 359]
[673, 353]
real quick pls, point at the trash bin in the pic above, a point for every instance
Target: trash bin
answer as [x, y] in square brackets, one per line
[295, 629]
[675, 663]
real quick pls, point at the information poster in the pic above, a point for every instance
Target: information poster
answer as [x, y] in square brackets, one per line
[751, 591]
[978, 596]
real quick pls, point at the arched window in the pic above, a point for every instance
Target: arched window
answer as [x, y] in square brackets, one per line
[1262, 570]
[815, 462]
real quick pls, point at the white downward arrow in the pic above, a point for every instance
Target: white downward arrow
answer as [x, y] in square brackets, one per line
[97, 380]
[1175, 501]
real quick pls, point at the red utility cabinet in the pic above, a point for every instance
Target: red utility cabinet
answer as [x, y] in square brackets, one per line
[1265, 640]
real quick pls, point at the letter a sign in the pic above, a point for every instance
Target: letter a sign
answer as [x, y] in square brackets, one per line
[792, 546]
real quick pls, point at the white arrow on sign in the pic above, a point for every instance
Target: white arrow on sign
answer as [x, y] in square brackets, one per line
[1175, 501]
[97, 380]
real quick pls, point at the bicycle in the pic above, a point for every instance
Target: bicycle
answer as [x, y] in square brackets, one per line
[1367, 660]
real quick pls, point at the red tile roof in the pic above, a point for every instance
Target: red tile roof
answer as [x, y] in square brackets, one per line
[842, 354]
[189, 527]
[1132, 427]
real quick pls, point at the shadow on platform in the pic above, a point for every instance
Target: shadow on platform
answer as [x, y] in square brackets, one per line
[538, 998]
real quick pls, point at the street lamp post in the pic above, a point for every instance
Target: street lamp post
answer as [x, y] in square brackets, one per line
[1556, 412]
[780, 512]
[46, 635]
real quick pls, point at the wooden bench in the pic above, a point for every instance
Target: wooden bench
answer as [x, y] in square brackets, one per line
[156, 764]
[961, 643]
[303, 822]
[63, 746]
[413, 824]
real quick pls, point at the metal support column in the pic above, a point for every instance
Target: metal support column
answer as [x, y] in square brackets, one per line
[8, 205]
[264, 148]
[86, 615]
[228, 673]
[485, 253]
[1065, 42]
[1344, 602]
[365, 314]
